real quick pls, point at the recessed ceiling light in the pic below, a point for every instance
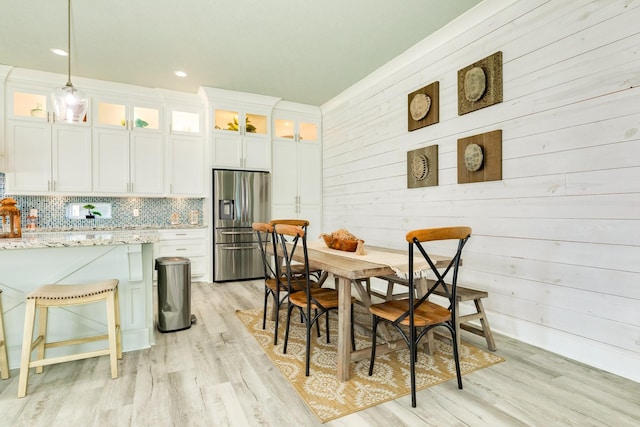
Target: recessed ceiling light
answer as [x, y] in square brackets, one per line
[181, 74]
[60, 52]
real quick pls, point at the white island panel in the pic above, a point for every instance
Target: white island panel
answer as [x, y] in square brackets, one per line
[23, 270]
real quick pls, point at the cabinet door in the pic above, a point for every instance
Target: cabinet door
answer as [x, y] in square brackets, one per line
[285, 173]
[309, 173]
[257, 152]
[29, 156]
[313, 214]
[110, 161]
[227, 150]
[147, 173]
[71, 159]
[186, 166]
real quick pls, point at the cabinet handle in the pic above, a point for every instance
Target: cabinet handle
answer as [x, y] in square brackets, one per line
[48, 185]
[181, 234]
[181, 249]
[53, 185]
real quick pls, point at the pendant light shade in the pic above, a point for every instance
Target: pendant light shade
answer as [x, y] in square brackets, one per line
[69, 104]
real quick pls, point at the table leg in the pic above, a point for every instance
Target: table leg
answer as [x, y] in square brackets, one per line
[344, 328]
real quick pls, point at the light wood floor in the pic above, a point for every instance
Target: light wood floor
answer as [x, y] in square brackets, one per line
[214, 374]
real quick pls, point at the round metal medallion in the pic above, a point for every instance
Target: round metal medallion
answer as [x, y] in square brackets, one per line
[420, 167]
[473, 157]
[419, 107]
[475, 84]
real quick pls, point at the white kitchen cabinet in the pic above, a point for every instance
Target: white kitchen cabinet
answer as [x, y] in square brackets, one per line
[4, 72]
[45, 156]
[186, 148]
[189, 243]
[185, 169]
[128, 148]
[297, 164]
[240, 129]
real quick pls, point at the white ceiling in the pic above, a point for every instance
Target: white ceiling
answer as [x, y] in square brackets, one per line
[304, 51]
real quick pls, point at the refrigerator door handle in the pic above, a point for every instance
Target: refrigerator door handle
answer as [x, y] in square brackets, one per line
[238, 248]
[235, 232]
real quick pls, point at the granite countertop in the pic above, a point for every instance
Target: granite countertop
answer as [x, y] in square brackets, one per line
[35, 240]
[98, 236]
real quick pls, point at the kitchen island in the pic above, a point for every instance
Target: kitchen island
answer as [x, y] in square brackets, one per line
[77, 257]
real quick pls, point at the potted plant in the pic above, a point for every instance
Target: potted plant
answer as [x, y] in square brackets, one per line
[92, 212]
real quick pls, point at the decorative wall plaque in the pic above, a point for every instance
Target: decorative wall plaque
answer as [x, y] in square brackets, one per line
[480, 84]
[422, 167]
[423, 107]
[480, 158]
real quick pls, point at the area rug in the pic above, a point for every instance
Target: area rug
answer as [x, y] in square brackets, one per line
[329, 398]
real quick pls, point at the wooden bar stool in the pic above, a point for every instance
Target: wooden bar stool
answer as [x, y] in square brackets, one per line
[4, 360]
[64, 296]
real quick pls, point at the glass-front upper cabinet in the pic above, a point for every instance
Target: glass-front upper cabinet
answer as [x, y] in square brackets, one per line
[31, 104]
[127, 116]
[244, 123]
[298, 130]
[187, 122]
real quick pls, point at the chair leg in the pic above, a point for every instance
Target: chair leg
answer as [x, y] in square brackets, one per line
[318, 325]
[456, 356]
[111, 327]
[286, 332]
[27, 339]
[4, 361]
[118, 326]
[264, 312]
[42, 332]
[374, 327]
[413, 350]
[326, 320]
[456, 325]
[308, 351]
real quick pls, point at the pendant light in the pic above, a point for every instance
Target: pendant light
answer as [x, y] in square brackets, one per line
[69, 104]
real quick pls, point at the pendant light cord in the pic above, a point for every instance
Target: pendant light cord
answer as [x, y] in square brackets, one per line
[69, 43]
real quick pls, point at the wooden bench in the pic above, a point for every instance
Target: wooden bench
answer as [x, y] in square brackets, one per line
[462, 294]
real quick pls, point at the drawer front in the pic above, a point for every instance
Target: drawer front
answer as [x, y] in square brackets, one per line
[182, 248]
[181, 234]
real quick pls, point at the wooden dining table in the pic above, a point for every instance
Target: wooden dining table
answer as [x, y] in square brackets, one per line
[349, 270]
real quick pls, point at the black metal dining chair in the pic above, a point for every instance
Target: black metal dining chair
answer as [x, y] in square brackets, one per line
[304, 224]
[408, 315]
[275, 283]
[312, 301]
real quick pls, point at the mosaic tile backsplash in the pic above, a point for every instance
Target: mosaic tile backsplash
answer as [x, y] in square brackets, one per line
[153, 211]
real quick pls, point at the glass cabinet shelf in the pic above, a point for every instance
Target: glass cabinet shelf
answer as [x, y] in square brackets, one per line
[29, 105]
[287, 129]
[116, 115]
[184, 121]
[229, 121]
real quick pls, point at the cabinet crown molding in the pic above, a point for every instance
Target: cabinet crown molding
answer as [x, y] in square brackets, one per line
[215, 95]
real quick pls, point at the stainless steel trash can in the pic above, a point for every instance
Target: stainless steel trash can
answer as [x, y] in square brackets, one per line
[174, 293]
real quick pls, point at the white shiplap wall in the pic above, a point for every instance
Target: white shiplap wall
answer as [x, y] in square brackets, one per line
[556, 242]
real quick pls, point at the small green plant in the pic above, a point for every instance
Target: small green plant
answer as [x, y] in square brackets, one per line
[248, 126]
[92, 212]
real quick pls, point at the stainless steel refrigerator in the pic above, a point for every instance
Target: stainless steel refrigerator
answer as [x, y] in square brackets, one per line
[240, 198]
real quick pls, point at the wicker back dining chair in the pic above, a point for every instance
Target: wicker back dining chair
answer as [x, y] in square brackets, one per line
[312, 301]
[408, 315]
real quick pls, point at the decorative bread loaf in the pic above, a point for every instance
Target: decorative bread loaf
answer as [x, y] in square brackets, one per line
[343, 240]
